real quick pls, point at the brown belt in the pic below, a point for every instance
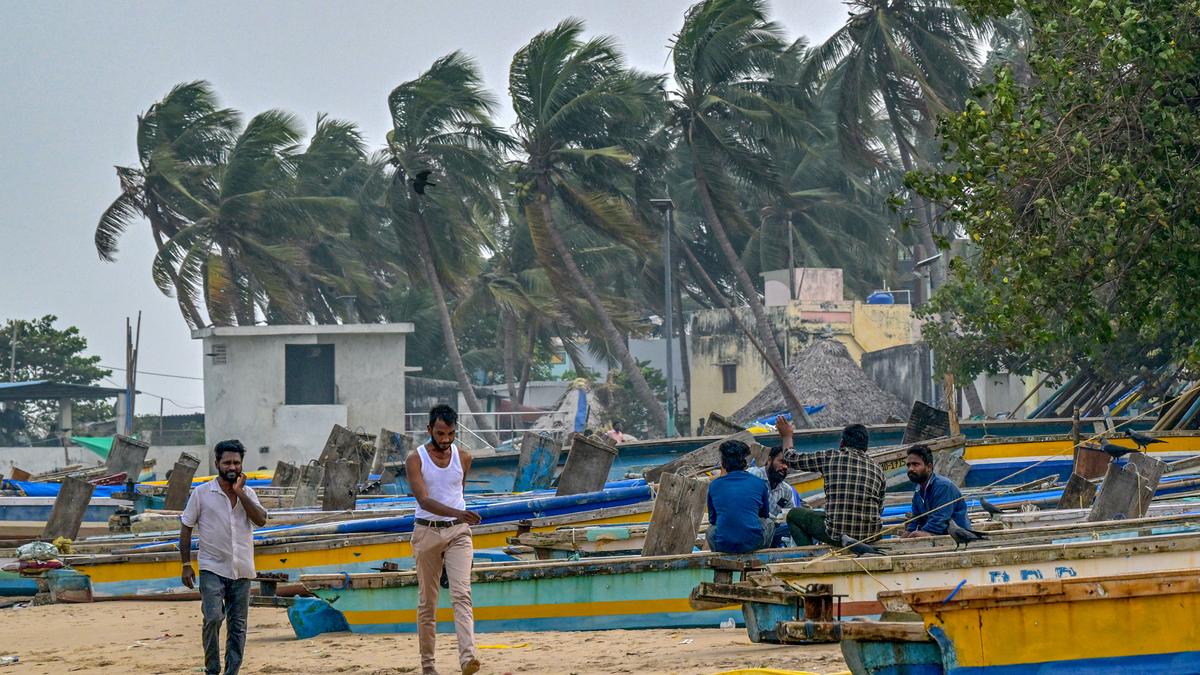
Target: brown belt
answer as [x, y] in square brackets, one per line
[437, 523]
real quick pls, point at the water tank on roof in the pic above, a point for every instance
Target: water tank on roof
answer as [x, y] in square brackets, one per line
[881, 298]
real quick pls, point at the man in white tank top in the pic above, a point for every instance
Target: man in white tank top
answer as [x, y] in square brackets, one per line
[437, 473]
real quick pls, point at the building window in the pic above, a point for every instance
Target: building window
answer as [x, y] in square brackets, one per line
[308, 375]
[218, 355]
[729, 378]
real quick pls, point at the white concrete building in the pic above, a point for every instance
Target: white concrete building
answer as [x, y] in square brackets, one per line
[279, 389]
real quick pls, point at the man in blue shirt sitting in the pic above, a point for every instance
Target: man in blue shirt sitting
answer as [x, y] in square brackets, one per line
[738, 505]
[936, 501]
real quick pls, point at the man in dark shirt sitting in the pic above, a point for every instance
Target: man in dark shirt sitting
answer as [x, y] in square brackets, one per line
[854, 486]
[738, 505]
[936, 501]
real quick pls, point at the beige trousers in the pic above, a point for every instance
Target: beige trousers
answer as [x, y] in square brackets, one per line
[433, 546]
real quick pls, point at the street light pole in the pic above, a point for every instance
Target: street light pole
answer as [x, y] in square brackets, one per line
[668, 208]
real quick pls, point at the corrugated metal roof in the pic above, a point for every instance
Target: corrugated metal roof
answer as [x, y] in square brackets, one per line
[35, 390]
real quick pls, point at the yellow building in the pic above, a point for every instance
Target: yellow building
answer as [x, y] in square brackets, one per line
[726, 369]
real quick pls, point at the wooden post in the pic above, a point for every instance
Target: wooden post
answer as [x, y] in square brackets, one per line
[951, 464]
[69, 507]
[1075, 427]
[1079, 493]
[180, 484]
[718, 425]
[286, 475]
[707, 456]
[926, 422]
[311, 477]
[587, 466]
[391, 449]
[678, 509]
[951, 404]
[1127, 492]
[345, 444]
[127, 456]
[537, 463]
[341, 486]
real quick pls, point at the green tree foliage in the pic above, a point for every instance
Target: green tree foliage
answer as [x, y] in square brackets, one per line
[622, 403]
[44, 352]
[1079, 196]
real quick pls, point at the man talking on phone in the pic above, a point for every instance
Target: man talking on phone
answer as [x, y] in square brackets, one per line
[225, 511]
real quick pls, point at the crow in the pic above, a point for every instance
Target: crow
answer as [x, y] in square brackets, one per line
[963, 536]
[989, 507]
[422, 181]
[858, 547]
[1142, 440]
[1117, 451]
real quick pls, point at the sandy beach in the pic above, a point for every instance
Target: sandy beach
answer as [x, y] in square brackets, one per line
[164, 637]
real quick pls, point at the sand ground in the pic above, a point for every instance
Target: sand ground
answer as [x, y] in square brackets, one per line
[164, 637]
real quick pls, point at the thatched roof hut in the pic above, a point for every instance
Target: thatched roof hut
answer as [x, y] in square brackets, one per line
[824, 373]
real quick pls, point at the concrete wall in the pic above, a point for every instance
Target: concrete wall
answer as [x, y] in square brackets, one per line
[39, 460]
[812, 284]
[1001, 393]
[902, 370]
[717, 341]
[244, 397]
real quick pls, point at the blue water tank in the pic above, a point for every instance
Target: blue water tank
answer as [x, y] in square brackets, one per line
[881, 298]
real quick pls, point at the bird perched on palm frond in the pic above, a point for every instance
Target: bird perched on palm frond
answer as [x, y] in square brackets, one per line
[1117, 451]
[1142, 440]
[962, 536]
[422, 181]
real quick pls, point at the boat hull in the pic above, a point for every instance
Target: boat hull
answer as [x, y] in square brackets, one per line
[624, 593]
[1137, 624]
[149, 574]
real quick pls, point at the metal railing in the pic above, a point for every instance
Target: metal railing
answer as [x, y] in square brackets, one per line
[475, 439]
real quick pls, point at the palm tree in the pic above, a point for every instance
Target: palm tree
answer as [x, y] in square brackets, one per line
[181, 141]
[442, 134]
[576, 103]
[246, 243]
[726, 108]
[909, 61]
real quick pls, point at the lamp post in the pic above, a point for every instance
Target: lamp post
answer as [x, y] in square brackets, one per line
[668, 207]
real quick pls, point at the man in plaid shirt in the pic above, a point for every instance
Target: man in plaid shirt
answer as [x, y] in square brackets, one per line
[854, 486]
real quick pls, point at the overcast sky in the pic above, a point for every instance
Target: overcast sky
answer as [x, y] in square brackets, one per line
[74, 76]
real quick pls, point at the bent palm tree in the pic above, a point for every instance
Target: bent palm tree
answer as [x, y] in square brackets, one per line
[909, 61]
[181, 140]
[725, 109]
[247, 246]
[442, 130]
[574, 101]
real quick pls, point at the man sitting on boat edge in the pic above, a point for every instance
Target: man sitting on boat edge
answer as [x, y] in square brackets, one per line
[738, 507]
[936, 500]
[854, 487]
[782, 497]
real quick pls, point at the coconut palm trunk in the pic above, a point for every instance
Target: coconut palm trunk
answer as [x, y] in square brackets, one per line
[924, 225]
[425, 248]
[766, 334]
[612, 336]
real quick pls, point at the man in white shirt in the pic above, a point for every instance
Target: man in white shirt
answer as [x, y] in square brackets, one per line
[225, 511]
[441, 538]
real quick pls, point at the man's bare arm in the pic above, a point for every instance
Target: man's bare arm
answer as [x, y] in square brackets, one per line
[416, 481]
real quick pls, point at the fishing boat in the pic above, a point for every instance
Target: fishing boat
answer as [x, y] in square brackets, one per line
[654, 592]
[495, 472]
[591, 594]
[861, 579]
[1132, 623]
[25, 517]
[352, 546]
